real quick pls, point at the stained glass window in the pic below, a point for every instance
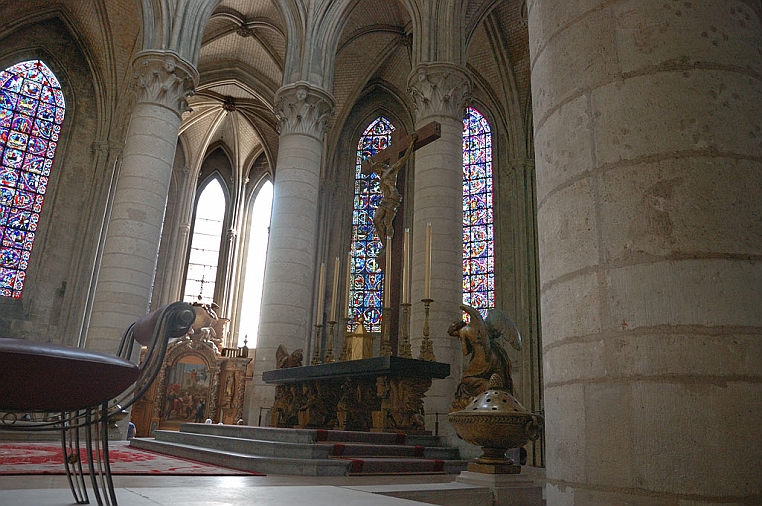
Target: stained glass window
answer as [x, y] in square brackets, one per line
[205, 244]
[31, 112]
[366, 287]
[478, 226]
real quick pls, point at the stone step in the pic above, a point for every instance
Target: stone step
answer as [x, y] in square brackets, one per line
[312, 435]
[245, 446]
[309, 452]
[393, 466]
[370, 450]
[244, 462]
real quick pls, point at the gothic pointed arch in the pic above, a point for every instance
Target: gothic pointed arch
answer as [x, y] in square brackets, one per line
[206, 239]
[32, 108]
[254, 256]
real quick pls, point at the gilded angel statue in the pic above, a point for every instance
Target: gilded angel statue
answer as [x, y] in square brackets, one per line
[480, 338]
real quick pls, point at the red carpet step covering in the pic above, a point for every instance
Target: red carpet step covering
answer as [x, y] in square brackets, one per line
[46, 458]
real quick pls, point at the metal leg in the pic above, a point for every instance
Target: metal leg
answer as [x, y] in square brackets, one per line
[72, 460]
[91, 460]
[106, 464]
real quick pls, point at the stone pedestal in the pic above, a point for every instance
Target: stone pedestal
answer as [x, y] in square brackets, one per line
[508, 489]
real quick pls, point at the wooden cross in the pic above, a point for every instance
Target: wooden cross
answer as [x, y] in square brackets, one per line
[426, 135]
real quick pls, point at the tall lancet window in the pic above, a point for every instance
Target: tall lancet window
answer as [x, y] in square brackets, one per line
[256, 254]
[31, 112]
[205, 243]
[478, 225]
[366, 287]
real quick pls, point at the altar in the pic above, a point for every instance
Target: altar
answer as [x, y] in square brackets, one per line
[378, 394]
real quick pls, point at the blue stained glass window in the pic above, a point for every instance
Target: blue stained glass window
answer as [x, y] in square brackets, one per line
[366, 285]
[478, 223]
[32, 109]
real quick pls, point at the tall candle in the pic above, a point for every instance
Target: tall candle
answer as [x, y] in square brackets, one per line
[406, 268]
[321, 285]
[335, 290]
[427, 265]
[388, 273]
[349, 284]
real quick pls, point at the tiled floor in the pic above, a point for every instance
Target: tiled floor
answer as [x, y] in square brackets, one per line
[276, 490]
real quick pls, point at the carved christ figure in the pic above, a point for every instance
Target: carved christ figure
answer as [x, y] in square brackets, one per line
[390, 196]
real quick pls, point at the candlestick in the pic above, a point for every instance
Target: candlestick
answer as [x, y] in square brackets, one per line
[316, 354]
[329, 352]
[427, 348]
[427, 265]
[388, 274]
[406, 268]
[405, 350]
[385, 349]
[335, 290]
[347, 296]
[321, 285]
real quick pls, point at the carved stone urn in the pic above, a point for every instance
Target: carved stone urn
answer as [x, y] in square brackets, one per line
[496, 422]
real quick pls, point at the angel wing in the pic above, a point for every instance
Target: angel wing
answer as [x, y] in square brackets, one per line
[500, 324]
[476, 316]
[280, 356]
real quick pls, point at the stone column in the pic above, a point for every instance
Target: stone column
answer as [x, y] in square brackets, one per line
[126, 274]
[648, 135]
[288, 297]
[439, 91]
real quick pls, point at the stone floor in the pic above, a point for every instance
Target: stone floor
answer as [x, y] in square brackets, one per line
[276, 490]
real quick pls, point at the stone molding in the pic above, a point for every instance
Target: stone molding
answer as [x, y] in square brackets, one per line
[107, 147]
[439, 89]
[303, 109]
[165, 79]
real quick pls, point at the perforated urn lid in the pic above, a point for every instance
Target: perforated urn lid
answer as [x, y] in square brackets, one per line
[495, 399]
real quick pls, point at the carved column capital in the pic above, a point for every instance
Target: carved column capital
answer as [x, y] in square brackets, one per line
[165, 79]
[439, 89]
[303, 109]
[521, 163]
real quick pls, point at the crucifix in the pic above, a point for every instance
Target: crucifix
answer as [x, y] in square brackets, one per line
[386, 164]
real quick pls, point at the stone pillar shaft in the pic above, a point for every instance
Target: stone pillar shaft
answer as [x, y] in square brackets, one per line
[648, 135]
[439, 91]
[126, 274]
[290, 280]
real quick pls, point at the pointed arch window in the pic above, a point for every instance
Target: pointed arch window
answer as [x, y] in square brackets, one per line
[478, 223]
[201, 278]
[256, 254]
[366, 286]
[32, 109]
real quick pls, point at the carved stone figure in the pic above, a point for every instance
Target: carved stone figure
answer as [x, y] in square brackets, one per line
[283, 359]
[401, 403]
[208, 325]
[480, 339]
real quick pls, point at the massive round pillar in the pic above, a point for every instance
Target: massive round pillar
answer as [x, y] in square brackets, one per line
[648, 136]
[439, 91]
[287, 315]
[128, 264]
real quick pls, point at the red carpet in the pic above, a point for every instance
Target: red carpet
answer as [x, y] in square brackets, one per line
[46, 458]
